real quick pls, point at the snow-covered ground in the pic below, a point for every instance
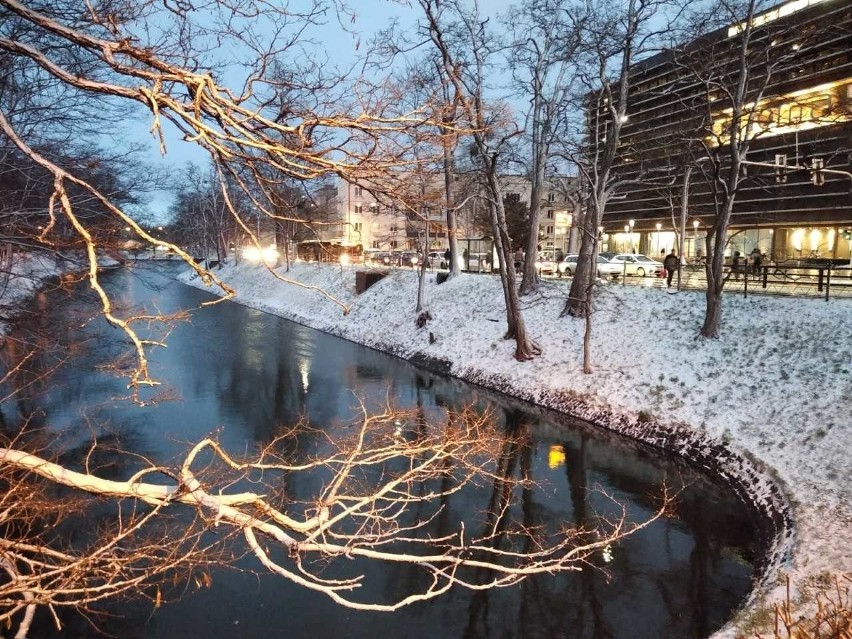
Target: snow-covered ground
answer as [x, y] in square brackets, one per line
[775, 389]
[27, 274]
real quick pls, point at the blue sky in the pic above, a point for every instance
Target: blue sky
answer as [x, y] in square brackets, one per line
[340, 46]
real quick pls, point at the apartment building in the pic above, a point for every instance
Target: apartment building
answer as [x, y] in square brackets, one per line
[373, 223]
[801, 62]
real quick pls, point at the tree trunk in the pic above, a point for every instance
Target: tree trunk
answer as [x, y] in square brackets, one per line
[579, 297]
[530, 280]
[713, 313]
[525, 349]
[452, 225]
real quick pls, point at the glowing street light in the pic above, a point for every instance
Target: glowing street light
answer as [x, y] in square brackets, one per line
[659, 228]
[632, 223]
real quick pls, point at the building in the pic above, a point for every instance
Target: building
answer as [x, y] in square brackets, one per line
[802, 121]
[363, 219]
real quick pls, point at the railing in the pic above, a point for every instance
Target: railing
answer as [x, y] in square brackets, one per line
[794, 277]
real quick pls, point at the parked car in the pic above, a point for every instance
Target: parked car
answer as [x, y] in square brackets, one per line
[409, 258]
[436, 260]
[568, 266]
[634, 264]
[546, 264]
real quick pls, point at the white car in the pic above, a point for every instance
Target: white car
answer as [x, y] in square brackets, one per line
[568, 266]
[633, 264]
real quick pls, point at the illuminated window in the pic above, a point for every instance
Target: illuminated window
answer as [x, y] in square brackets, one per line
[797, 111]
[775, 14]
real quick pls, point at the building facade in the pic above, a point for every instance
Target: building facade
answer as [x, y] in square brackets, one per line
[799, 66]
[363, 219]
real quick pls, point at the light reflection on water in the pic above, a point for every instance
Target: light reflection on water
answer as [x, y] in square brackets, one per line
[243, 373]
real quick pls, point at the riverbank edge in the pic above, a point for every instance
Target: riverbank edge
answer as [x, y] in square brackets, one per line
[752, 480]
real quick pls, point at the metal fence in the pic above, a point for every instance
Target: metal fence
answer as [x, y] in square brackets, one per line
[826, 282]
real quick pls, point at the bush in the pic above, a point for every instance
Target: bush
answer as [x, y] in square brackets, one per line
[824, 612]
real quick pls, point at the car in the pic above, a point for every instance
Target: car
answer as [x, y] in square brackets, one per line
[409, 258]
[437, 260]
[634, 264]
[568, 266]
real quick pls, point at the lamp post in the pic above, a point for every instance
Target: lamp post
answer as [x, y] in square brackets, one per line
[627, 228]
[695, 224]
[632, 247]
[659, 228]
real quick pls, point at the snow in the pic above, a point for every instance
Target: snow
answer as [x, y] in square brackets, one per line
[766, 405]
[27, 274]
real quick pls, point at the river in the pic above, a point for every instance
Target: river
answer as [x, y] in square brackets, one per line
[241, 373]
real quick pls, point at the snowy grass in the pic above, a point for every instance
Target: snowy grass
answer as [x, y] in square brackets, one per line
[775, 387]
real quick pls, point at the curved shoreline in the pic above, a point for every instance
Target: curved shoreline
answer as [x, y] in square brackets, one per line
[754, 484]
[761, 490]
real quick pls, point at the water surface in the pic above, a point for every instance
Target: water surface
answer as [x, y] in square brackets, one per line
[241, 374]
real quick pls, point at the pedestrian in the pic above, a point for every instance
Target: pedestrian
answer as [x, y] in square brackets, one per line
[735, 265]
[662, 272]
[670, 264]
[756, 261]
[559, 256]
[447, 256]
[519, 258]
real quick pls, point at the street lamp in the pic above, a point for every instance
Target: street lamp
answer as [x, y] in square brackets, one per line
[631, 223]
[659, 228]
[695, 224]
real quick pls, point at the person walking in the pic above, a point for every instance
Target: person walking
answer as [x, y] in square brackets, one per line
[756, 261]
[670, 264]
[519, 259]
[735, 265]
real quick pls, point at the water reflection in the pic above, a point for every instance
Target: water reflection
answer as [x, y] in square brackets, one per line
[244, 374]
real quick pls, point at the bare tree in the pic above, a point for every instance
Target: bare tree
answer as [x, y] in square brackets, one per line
[373, 472]
[373, 480]
[614, 36]
[542, 58]
[736, 59]
[462, 41]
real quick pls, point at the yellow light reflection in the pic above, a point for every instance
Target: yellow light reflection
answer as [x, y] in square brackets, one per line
[555, 456]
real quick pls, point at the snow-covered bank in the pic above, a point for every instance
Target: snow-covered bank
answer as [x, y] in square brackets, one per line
[774, 389]
[26, 275]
